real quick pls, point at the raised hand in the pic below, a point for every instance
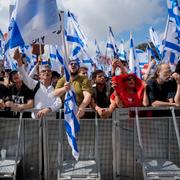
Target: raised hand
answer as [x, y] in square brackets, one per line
[17, 57]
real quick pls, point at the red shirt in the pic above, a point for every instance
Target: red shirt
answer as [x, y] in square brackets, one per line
[128, 99]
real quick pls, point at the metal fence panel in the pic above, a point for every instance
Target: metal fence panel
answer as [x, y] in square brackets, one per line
[158, 140]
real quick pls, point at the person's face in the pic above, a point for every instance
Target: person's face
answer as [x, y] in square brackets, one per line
[130, 82]
[164, 73]
[54, 80]
[100, 78]
[83, 72]
[17, 80]
[45, 74]
[73, 67]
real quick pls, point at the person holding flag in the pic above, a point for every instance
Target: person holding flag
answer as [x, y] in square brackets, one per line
[81, 85]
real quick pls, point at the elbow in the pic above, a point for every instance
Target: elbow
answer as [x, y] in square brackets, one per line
[155, 104]
[145, 104]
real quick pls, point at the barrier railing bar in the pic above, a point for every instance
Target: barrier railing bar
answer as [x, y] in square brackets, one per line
[18, 144]
[96, 144]
[46, 149]
[175, 126]
[138, 130]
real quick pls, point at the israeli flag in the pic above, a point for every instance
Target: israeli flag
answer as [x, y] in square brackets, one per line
[122, 52]
[72, 124]
[31, 19]
[55, 64]
[98, 51]
[111, 47]
[133, 61]
[172, 32]
[142, 58]
[74, 38]
[1, 35]
[98, 55]
[157, 42]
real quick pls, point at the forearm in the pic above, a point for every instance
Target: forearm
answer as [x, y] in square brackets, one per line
[31, 83]
[56, 105]
[59, 91]
[20, 107]
[145, 99]
[177, 96]
[112, 107]
[28, 105]
[86, 101]
[162, 103]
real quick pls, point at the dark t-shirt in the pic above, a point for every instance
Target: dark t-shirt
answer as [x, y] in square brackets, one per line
[161, 92]
[21, 97]
[101, 98]
[3, 91]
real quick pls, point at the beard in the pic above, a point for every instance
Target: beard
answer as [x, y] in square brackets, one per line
[74, 73]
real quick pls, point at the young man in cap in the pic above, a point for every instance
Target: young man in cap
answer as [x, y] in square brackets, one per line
[43, 100]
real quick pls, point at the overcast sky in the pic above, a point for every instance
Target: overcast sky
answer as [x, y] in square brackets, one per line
[95, 16]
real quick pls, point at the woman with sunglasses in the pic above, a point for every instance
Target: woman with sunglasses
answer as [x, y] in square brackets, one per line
[129, 91]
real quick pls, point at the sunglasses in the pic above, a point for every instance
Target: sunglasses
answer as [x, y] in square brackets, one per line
[129, 79]
[73, 64]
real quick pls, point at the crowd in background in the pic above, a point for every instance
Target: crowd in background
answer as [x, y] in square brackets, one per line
[45, 89]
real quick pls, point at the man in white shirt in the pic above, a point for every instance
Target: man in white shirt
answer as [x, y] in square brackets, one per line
[43, 100]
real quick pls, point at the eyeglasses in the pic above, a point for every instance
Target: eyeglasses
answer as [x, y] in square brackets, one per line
[73, 64]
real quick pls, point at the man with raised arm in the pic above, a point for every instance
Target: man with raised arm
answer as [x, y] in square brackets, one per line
[43, 100]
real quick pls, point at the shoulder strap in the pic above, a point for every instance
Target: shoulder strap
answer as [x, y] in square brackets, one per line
[36, 88]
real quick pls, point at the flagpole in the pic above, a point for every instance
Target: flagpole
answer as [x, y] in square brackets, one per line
[165, 33]
[63, 39]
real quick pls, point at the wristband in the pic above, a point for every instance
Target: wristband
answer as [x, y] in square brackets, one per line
[50, 110]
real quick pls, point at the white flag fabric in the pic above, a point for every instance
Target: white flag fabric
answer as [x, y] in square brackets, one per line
[55, 64]
[71, 122]
[157, 42]
[74, 38]
[122, 52]
[32, 19]
[111, 47]
[172, 32]
[133, 61]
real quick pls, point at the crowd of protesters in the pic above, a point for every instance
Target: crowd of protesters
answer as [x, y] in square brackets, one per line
[45, 90]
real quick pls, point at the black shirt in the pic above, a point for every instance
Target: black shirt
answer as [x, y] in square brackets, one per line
[21, 97]
[101, 98]
[161, 92]
[3, 91]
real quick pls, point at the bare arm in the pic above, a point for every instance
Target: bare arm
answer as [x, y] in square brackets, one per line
[176, 76]
[61, 91]
[20, 107]
[162, 103]
[86, 101]
[151, 64]
[145, 96]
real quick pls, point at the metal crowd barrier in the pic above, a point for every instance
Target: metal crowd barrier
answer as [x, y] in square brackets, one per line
[87, 167]
[146, 143]
[121, 155]
[10, 138]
